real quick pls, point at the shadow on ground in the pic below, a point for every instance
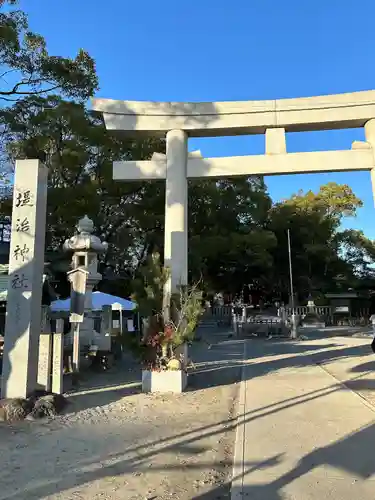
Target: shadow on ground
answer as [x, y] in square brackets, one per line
[352, 454]
[266, 356]
[218, 359]
[96, 389]
[219, 353]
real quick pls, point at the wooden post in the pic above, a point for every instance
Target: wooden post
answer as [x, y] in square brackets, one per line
[45, 352]
[58, 358]
[77, 278]
[76, 347]
[106, 329]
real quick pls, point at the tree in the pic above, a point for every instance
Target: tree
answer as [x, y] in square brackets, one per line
[236, 236]
[314, 220]
[79, 152]
[28, 68]
[359, 252]
[167, 325]
[228, 245]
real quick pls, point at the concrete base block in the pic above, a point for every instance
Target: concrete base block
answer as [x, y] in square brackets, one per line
[164, 381]
[313, 325]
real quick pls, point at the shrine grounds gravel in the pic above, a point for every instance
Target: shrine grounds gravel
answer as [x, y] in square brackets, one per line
[115, 443]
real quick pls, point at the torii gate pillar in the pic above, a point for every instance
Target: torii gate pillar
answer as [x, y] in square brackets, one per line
[176, 211]
[370, 138]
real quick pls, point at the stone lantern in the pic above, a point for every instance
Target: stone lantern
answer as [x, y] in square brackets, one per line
[85, 248]
[310, 303]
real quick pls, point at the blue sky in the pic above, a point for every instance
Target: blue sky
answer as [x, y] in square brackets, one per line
[239, 50]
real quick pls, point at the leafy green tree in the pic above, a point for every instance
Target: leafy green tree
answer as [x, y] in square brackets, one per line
[359, 252]
[148, 287]
[167, 324]
[314, 221]
[79, 152]
[227, 241]
[29, 69]
[236, 235]
[228, 245]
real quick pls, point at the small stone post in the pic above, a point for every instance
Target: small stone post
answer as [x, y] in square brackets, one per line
[310, 304]
[244, 315]
[234, 320]
[106, 328]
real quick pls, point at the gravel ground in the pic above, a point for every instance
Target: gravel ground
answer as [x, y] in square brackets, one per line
[115, 443]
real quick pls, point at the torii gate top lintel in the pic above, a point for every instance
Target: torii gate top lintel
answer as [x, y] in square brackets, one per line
[204, 119]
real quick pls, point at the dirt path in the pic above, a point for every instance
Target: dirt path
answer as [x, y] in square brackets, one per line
[116, 443]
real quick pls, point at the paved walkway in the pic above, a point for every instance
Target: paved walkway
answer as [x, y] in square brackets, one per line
[302, 433]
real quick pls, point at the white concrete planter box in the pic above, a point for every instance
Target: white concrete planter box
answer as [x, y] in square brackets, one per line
[164, 381]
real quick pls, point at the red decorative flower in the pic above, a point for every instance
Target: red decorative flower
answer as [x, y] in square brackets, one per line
[153, 340]
[168, 331]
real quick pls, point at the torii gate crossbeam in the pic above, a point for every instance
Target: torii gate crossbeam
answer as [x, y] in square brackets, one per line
[177, 121]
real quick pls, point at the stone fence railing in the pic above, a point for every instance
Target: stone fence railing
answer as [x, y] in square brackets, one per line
[243, 314]
[302, 310]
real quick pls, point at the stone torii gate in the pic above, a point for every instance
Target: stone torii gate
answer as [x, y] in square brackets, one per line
[178, 121]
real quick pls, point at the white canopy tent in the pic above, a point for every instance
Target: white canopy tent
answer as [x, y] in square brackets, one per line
[99, 299]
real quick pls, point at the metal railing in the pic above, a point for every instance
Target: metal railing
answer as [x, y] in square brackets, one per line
[331, 316]
[220, 311]
[246, 321]
[303, 310]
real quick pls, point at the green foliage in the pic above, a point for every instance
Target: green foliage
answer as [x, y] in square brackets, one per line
[79, 152]
[236, 235]
[168, 325]
[359, 252]
[333, 201]
[30, 69]
[186, 310]
[148, 287]
[314, 221]
[228, 242]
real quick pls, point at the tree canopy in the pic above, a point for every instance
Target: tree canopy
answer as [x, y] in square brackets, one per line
[79, 152]
[314, 221]
[28, 68]
[237, 235]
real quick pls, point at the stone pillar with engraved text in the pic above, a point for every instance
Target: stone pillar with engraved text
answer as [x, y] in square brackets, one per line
[26, 265]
